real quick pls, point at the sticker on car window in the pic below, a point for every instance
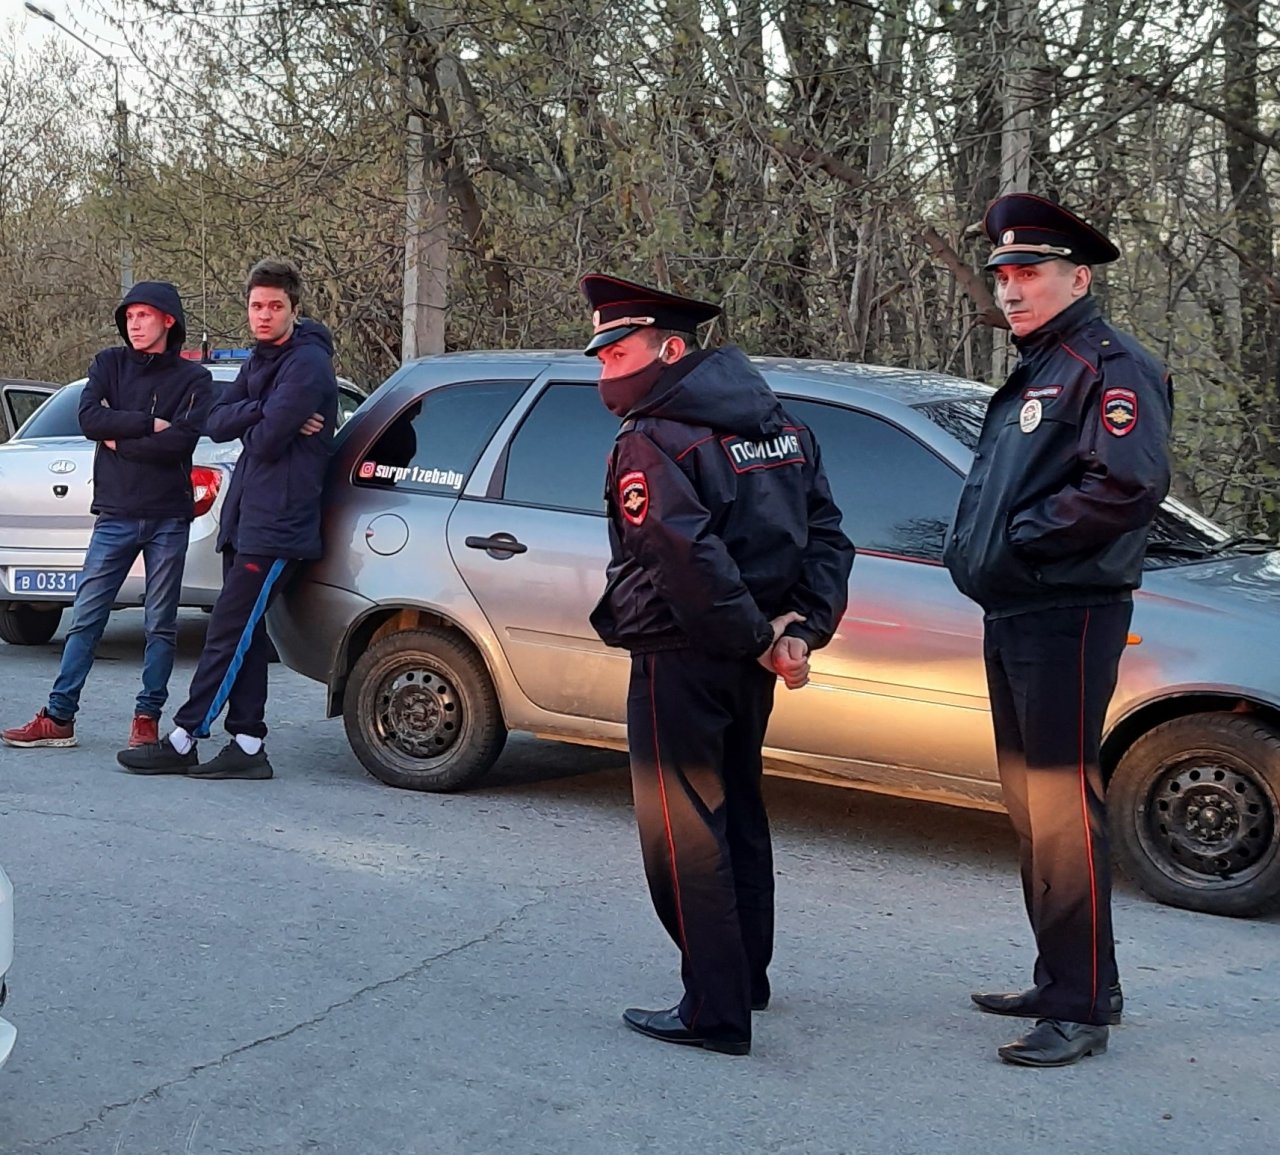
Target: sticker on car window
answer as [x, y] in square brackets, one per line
[417, 474]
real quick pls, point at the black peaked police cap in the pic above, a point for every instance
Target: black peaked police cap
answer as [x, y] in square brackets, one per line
[1027, 229]
[621, 307]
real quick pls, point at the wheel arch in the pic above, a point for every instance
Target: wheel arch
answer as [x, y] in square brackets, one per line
[378, 623]
[1165, 709]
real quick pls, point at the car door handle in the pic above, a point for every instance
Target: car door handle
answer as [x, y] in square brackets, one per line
[497, 545]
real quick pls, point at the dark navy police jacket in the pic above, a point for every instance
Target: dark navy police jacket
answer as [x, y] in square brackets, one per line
[1070, 468]
[273, 505]
[720, 518]
[148, 474]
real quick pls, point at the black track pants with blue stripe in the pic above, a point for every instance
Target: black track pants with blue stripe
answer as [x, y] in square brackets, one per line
[233, 664]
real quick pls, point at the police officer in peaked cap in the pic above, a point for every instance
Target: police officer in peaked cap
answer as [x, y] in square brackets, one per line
[1049, 539]
[729, 568]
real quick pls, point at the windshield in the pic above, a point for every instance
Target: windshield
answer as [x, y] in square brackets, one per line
[1179, 533]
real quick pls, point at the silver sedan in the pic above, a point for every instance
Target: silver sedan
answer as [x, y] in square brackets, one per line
[466, 545]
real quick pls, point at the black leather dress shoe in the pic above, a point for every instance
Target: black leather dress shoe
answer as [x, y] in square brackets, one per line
[1023, 1004]
[668, 1027]
[1053, 1043]
[760, 1005]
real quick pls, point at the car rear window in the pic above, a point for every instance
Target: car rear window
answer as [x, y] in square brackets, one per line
[60, 415]
[56, 417]
[434, 443]
[959, 416]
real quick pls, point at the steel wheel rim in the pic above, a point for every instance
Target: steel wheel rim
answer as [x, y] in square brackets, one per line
[1209, 821]
[418, 714]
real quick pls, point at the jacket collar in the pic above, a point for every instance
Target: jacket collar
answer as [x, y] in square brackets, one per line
[1056, 329]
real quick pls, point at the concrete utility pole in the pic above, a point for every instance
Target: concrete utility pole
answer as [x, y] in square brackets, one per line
[120, 123]
[426, 216]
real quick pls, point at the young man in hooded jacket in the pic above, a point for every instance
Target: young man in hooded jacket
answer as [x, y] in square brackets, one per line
[728, 568]
[145, 407]
[283, 407]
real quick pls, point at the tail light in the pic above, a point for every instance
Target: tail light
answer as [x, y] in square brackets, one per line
[205, 481]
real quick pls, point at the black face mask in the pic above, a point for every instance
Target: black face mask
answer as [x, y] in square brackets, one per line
[622, 394]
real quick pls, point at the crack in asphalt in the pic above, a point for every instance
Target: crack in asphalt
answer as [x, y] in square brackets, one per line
[414, 971]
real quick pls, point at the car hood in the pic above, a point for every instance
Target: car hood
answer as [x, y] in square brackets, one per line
[1210, 626]
[1241, 587]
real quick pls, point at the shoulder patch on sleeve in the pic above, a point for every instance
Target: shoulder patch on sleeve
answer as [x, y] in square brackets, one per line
[1119, 411]
[633, 496]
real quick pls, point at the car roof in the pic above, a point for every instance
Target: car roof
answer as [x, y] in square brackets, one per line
[20, 381]
[906, 386]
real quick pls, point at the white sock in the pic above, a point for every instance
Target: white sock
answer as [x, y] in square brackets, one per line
[248, 743]
[182, 741]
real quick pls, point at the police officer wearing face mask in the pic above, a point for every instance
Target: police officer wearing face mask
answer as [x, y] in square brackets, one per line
[1049, 539]
[729, 567]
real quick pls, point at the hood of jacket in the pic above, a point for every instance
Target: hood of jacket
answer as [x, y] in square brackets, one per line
[718, 388]
[159, 295]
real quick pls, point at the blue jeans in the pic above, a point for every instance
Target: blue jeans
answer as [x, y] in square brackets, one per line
[113, 548]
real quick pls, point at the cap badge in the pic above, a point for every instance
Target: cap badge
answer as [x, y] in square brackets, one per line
[1007, 237]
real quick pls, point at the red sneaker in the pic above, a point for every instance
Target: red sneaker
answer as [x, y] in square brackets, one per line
[145, 730]
[41, 731]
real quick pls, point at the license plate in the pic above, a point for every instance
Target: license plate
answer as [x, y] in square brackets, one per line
[45, 581]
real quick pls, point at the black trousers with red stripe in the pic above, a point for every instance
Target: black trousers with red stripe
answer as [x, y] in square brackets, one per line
[1051, 674]
[695, 727]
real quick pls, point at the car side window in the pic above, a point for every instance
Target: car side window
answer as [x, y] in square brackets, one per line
[23, 402]
[896, 495]
[436, 440]
[558, 456]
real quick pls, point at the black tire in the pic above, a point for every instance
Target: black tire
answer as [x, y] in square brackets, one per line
[25, 625]
[421, 712]
[1194, 810]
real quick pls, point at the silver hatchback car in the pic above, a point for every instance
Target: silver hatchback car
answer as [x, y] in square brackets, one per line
[46, 489]
[466, 545]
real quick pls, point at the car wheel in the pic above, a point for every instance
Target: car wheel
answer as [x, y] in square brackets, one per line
[421, 712]
[1194, 811]
[24, 625]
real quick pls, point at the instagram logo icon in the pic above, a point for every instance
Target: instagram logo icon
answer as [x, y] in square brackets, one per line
[367, 468]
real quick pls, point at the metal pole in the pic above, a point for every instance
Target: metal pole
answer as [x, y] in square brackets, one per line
[122, 188]
[121, 134]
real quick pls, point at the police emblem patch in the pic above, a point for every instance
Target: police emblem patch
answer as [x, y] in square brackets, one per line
[1120, 411]
[1029, 418]
[633, 497]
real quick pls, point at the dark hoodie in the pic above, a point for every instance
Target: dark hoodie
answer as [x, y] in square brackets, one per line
[148, 474]
[720, 518]
[273, 505]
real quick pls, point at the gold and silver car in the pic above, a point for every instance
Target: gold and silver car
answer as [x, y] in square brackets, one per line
[466, 544]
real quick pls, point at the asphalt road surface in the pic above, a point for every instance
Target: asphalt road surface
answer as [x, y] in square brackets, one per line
[320, 964]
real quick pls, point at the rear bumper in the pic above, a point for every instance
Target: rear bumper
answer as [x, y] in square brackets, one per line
[309, 622]
[201, 577]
